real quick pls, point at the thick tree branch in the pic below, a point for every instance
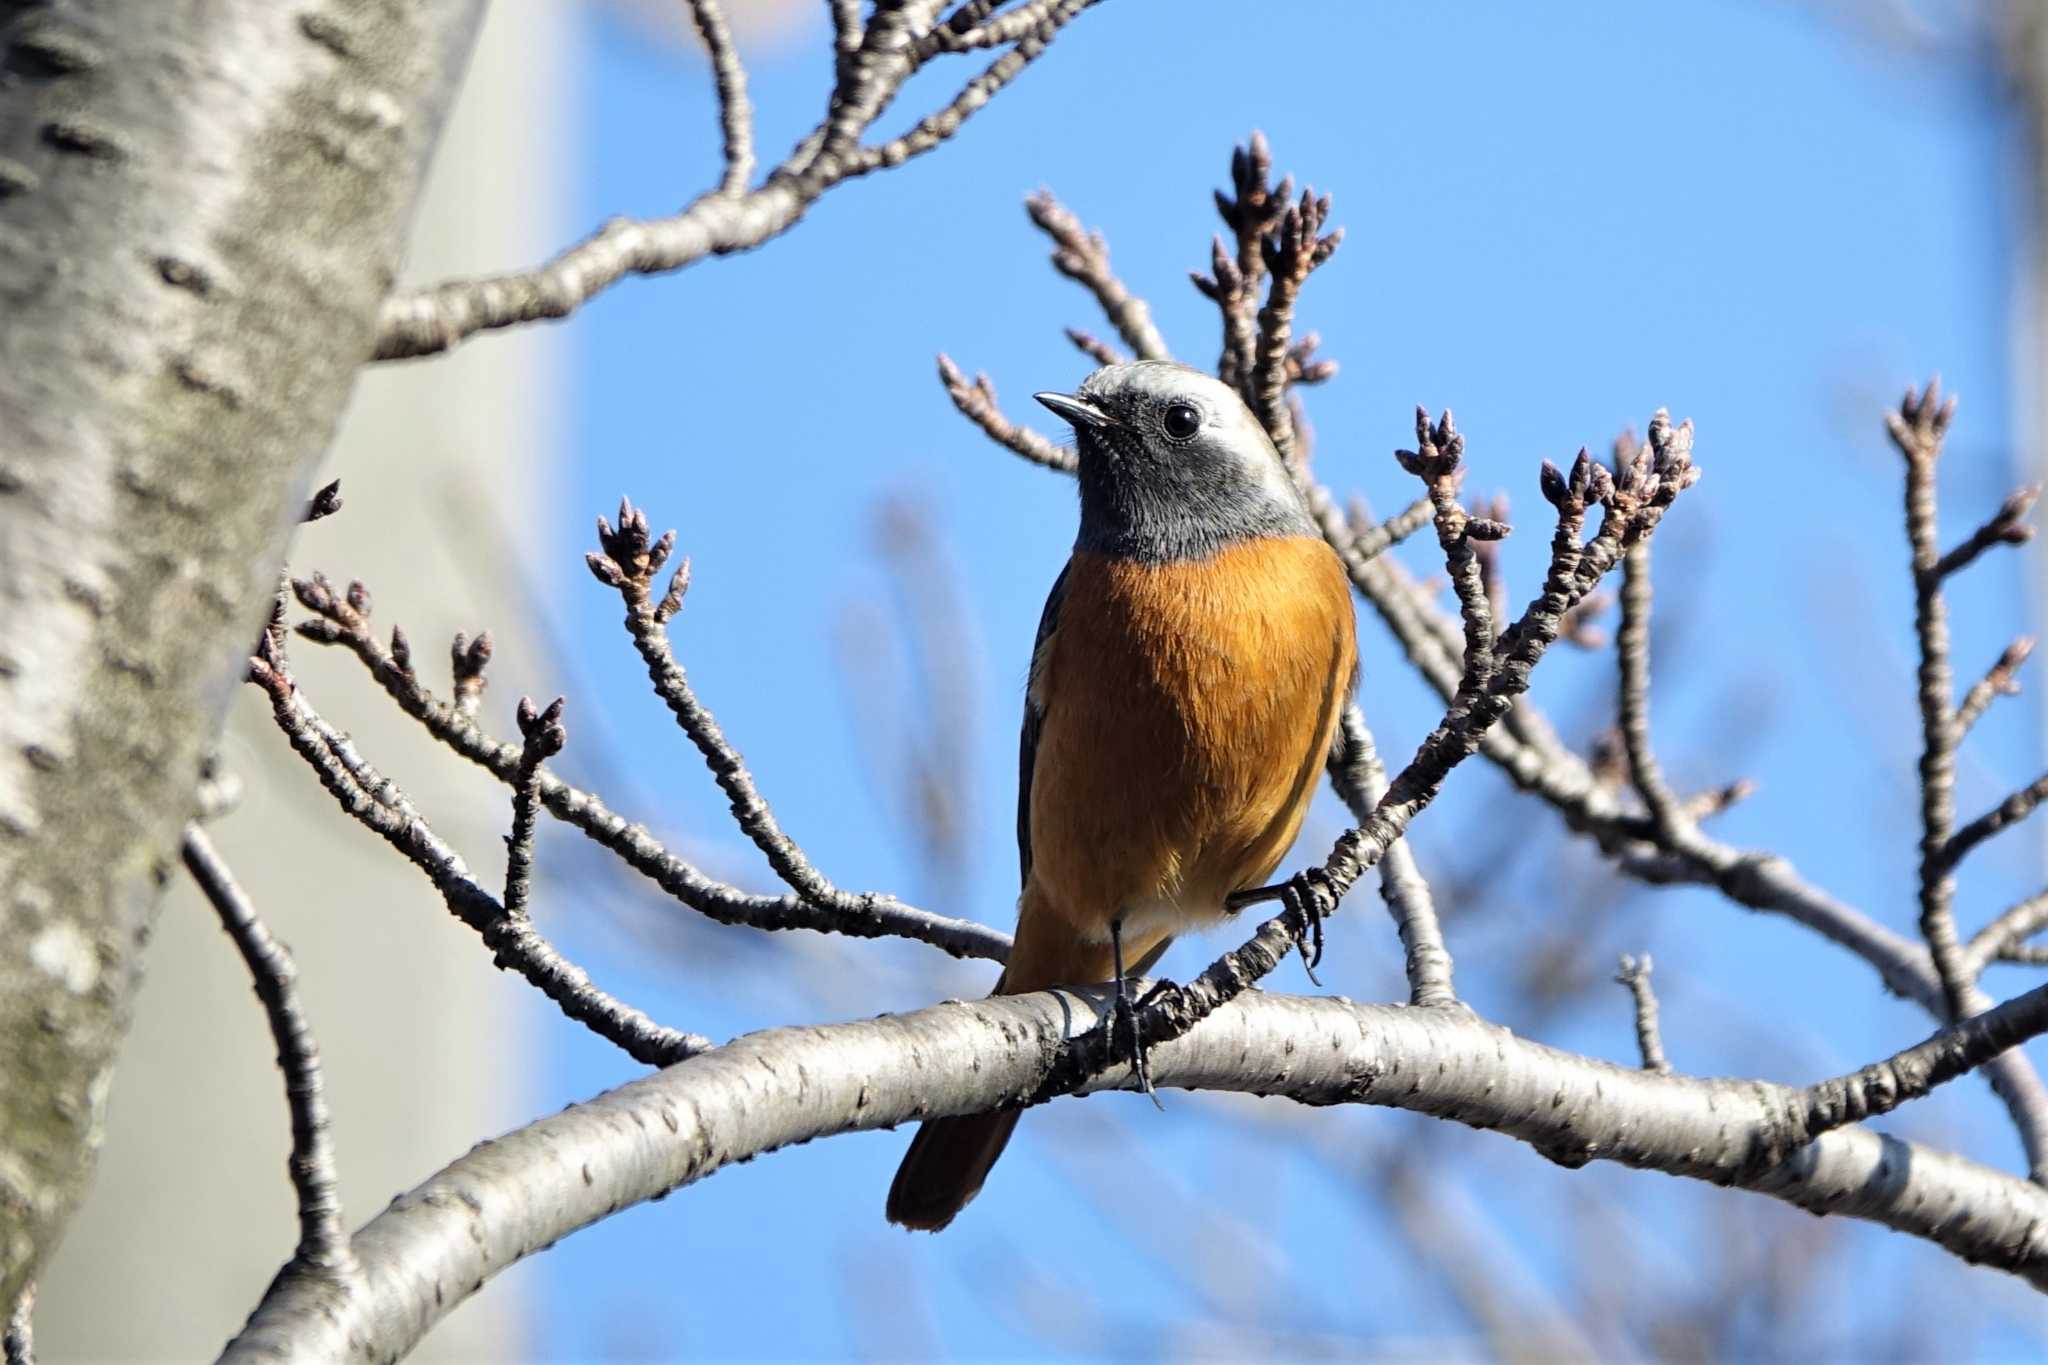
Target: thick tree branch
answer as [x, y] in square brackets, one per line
[178, 345]
[436, 1245]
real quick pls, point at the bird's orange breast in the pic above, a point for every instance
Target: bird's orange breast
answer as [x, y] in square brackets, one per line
[1188, 708]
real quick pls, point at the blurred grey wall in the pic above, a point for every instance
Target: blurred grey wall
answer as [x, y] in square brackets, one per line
[428, 1048]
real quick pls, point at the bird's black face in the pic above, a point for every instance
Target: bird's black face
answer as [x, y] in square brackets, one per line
[1173, 465]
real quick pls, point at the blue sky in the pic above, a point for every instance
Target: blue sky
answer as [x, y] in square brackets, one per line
[1555, 224]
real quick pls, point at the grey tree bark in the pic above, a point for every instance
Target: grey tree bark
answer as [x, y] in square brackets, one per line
[201, 209]
[518, 1194]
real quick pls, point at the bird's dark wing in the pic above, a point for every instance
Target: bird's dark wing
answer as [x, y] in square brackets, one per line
[1034, 721]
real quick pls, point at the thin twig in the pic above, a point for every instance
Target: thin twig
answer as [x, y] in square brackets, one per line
[1999, 818]
[1250, 211]
[1294, 247]
[544, 737]
[376, 802]
[1917, 428]
[2000, 680]
[1437, 461]
[2000, 938]
[1368, 539]
[969, 27]
[323, 1237]
[630, 560]
[1951, 1052]
[2007, 526]
[872, 63]
[1360, 779]
[735, 114]
[976, 400]
[1632, 648]
[936, 127]
[1095, 348]
[453, 724]
[1083, 257]
[1635, 974]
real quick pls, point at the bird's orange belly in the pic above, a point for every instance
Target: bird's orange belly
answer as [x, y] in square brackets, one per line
[1188, 709]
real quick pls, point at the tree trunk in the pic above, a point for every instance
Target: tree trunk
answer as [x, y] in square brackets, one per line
[201, 207]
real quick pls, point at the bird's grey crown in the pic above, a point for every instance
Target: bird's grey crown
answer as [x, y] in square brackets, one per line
[1149, 497]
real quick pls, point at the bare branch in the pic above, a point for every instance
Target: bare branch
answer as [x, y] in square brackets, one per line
[873, 62]
[1884, 1086]
[969, 27]
[1095, 348]
[1437, 462]
[630, 561]
[1361, 781]
[2003, 935]
[1083, 256]
[453, 725]
[323, 1243]
[735, 114]
[1633, 651]
[977, 403]
[935, 128]
[376, 803]
[1917, 428]
[2000, 680]
[544, 736]
[1293, 248]
[2000, 817]
[769, 1090]
[1251, 211]
[1368, 539]
[2007, 526]
[1635, 974]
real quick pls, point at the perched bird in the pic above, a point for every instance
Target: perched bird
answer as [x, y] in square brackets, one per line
[1191, 664]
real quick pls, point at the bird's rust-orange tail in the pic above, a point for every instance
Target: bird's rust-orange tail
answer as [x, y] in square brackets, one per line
[950, 1158]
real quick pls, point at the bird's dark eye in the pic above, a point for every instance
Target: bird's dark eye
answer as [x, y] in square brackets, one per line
[1182, 421]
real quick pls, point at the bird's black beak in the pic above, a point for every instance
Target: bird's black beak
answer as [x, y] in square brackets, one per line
[1080, 413]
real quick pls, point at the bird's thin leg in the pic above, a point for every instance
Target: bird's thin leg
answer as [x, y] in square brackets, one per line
[1303, 893]
[1125, 1015]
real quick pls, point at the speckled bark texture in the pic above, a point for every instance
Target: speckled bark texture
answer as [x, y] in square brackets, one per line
[201, 208]
[509, 1198]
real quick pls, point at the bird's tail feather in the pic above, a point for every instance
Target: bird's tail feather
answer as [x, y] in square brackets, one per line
[950, 1157]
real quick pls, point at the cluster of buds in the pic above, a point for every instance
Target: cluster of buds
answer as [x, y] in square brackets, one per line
[1921, 422]
[542, 729]
[631, 557]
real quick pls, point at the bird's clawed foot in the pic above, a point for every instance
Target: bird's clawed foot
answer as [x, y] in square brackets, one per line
[1304, 893]
[1124, 1017]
